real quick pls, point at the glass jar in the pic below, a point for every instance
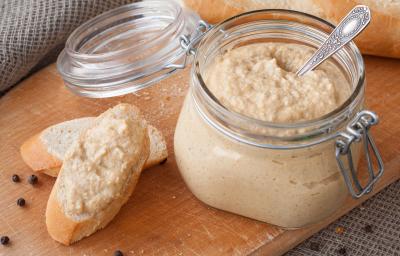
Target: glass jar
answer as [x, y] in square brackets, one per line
[284, 174]
[287, 174]
[126, 49]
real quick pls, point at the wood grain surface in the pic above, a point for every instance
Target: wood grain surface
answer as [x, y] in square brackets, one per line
[162, 217]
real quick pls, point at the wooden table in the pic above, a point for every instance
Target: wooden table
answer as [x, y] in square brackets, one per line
[162, 217]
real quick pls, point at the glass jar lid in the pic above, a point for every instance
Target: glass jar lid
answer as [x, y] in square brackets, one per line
[126, 49]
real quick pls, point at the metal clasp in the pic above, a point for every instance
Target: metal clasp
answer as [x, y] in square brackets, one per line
[188, 42]
[358, 132]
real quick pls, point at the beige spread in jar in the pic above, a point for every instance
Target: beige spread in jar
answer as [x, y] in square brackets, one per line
[289, 188]
[260, 81]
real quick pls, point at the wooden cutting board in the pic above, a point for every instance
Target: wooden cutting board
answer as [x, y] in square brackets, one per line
[162, 217]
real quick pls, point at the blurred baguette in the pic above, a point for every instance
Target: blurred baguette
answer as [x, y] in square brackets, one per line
[381, 38]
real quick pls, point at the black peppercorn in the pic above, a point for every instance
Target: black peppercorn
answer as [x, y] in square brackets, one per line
[164, 161]
[314, 246]
[15, 178]
[368, 229]
[4, 240]
[342, 251]
[33, 179]
[21, 202]
[118, 253]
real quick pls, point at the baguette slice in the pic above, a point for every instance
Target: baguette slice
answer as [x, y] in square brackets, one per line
[98, 175]
[44, 152]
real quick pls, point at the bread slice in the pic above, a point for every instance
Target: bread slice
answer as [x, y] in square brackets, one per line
[44, 152]
[382, 37]
[98, 175]
[158, 148]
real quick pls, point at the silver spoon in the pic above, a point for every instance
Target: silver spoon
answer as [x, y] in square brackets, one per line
[350, 26]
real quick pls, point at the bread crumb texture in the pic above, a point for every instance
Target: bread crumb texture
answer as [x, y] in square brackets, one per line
[58, 138]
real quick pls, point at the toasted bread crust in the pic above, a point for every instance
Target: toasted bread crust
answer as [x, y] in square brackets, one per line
[36, 156]
[159, 153]
[59, 227]
[53, 172]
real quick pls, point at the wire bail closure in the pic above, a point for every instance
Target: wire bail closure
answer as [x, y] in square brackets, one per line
[358, 131]
[188, 43]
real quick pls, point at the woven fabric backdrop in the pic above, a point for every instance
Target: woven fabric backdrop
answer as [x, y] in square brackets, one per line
[32, 32]
[373, 229]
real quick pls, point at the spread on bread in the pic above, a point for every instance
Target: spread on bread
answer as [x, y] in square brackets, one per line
[44, 152]
[100, 159]
[98, 174]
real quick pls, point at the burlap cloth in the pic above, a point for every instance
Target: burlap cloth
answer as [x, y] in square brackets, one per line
[381, 213]
[32, 32]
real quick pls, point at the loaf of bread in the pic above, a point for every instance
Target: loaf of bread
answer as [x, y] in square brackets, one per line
[98, 174]
[215, 11]
[382, 37]
[44, 152]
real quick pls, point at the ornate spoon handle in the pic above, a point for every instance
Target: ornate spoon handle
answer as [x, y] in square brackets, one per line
[354, 22]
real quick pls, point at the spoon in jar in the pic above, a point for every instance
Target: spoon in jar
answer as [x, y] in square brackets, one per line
[350, 26]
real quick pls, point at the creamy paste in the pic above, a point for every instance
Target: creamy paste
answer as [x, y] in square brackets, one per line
[259, 81]
[96, 170]
[288, 188]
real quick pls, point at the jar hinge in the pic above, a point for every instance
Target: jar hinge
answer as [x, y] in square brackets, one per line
[188, 42]
[358, 131]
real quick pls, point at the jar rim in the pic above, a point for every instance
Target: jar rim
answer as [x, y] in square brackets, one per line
[197, 75]
[82, 29]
